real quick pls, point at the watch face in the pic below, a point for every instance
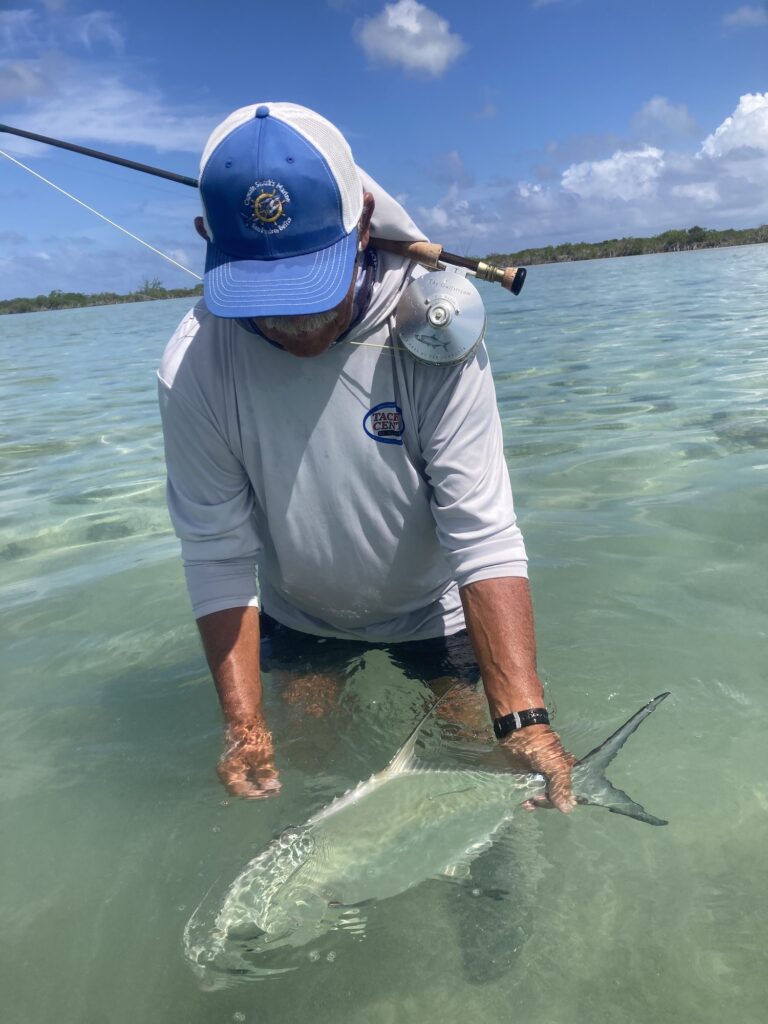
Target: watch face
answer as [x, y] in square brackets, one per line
[441, 318]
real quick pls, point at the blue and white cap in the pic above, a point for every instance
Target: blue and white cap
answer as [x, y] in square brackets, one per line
[282, 198]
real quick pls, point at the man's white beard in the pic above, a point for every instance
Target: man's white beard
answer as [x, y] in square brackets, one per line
[294, 326]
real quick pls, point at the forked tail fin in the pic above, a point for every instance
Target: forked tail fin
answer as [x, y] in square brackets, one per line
[590, 786]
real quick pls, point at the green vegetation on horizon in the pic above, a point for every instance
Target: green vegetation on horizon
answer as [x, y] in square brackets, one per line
[669, 241]
[146, 292]
[681, 240]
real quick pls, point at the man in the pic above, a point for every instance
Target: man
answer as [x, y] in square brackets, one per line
[369, 490]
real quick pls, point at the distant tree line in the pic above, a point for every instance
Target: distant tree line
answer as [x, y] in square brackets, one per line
[669, 241]
[148, 290]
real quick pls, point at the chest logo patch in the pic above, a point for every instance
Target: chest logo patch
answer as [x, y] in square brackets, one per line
[384, 423]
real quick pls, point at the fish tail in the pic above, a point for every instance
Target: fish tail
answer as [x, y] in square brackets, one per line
[590, 785]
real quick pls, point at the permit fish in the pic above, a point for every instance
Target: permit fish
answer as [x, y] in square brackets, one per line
[403, 825]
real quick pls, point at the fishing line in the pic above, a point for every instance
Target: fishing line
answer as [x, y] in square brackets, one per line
[428, 254]
[101, 215]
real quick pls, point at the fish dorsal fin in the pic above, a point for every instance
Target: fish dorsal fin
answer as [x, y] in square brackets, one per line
[406, 755]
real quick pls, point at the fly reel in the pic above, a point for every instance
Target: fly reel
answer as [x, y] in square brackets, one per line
[440, 318]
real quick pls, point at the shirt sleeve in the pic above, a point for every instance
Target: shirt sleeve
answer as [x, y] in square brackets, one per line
[463, 450]
[210, 499]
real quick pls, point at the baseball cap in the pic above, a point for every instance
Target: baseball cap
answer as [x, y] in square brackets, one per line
[281, 201]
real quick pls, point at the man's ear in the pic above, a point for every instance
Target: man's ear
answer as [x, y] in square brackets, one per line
[200, 228]
[364, 227]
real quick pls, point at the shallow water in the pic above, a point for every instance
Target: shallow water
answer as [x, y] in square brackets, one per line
[633, 395]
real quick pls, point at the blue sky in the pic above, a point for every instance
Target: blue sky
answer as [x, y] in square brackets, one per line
[498, 125]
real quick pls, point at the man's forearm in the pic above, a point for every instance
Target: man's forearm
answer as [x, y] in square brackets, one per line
[231, 642]
[499, 617]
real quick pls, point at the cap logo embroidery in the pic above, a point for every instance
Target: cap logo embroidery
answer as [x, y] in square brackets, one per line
[384, 423]
[265, 202]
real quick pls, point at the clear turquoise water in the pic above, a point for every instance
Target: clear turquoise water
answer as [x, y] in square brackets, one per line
[633, 395]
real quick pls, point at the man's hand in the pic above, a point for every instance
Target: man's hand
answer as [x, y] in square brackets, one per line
[537, 748]
[247, 766]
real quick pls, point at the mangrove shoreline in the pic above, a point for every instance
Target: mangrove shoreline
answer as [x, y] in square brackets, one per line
[683, 240]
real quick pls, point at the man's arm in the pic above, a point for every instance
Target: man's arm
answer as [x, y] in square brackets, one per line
[499, 619]
[231, 642]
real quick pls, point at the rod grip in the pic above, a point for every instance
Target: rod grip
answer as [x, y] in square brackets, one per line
[426, 253]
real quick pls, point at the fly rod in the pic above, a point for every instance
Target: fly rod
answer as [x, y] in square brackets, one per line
[98, 155]
[429, 254]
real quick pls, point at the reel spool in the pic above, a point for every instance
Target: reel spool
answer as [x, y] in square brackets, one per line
[440, 318]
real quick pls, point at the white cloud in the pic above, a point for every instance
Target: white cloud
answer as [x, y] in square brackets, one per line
[410, 34]
[636, 191]
[59, 75]
[103, 109]
[464, 218]
[626, 175]
[23, 79]
[660, 118]
[746, 16]
[23, 31]
[85, 265]
[704, 193]
[746, 128]
[17, 30]
[95, 27]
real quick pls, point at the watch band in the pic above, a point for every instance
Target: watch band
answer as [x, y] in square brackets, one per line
[519, 720]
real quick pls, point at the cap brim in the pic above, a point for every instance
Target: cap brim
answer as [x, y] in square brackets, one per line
[293, 286]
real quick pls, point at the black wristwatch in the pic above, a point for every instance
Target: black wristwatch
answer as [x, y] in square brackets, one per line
[519, 720]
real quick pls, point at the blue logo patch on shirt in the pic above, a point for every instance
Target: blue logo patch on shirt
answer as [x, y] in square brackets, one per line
[384, 423]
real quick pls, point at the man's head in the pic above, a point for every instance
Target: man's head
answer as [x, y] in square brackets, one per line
[285, 217]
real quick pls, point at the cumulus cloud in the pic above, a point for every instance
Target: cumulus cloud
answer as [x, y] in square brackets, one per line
[722, 181]
[626, 175]
[408, 33]
[460, 217]
[660, 119]
[649, 189]
[746, 16]
[702, 193]
[746, 128]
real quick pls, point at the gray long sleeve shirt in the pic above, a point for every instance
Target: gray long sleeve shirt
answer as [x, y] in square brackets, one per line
[365, 487]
